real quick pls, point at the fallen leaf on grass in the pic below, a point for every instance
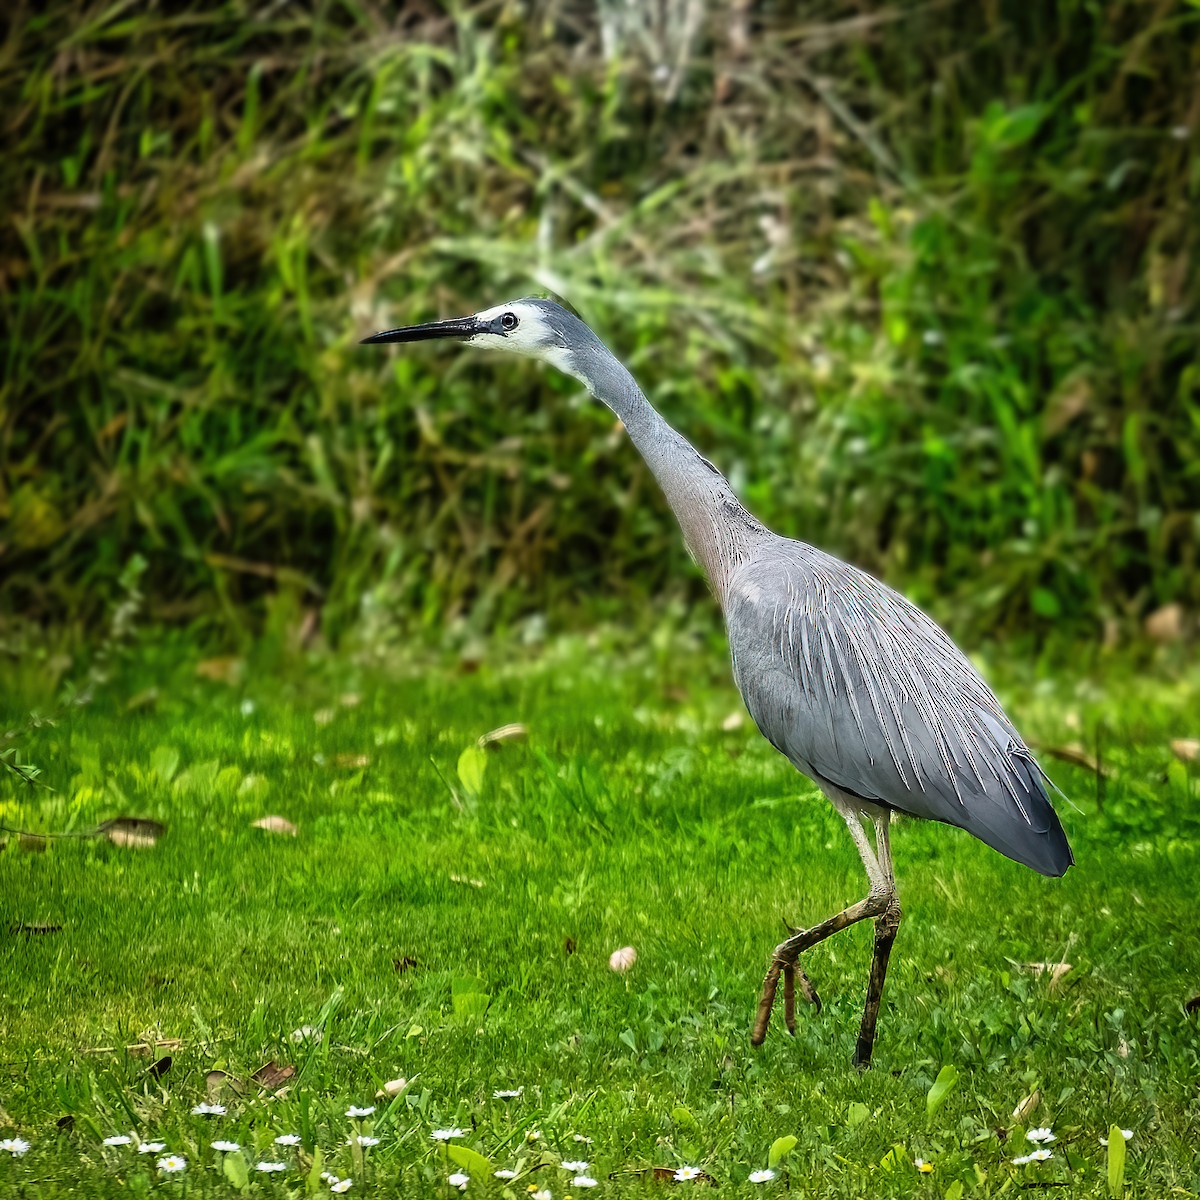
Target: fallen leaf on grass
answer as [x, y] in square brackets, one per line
[66, 1123]
[352, 761]
[275, 824]
[1165, 624]
[32, 930]
[391, 1089]
[735, 720]
[220, 670]
[1186, 749]
[271, 1075]
[403, 963]
[161, 1066]
[1192, 1005]
[569, 946]
[138, 833]
[1023, 1110]
[667, 1175]
[495, 738]
[217, 1079]
[32, 843]
[1057, 971]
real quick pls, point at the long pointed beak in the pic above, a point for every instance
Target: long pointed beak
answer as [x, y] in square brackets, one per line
[457, 327]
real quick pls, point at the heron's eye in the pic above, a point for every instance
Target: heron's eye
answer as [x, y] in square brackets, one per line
[509, 322]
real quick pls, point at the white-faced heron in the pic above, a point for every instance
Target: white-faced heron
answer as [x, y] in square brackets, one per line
[857, 687]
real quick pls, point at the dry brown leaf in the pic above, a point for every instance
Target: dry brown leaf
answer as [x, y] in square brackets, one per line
[515, 732]
[32, 929]
[352, 760]
[275, 824]
[32, 843]
[1192, 1005]
[217, 1079]
[271, 1075]
[1057, 971]
[161, 1066]
[404, 963]
[1027, 1106]
[349, 699]
[1165, 624]
[391, 1089]
[667, 1175]
[221, 670]
[1186, 749]
[1076, 755]
[138, 833]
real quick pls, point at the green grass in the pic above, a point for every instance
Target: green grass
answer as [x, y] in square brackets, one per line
[629, 817]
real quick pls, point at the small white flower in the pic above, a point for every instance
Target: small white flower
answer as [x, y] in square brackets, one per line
[208, 1110]
[458, 1180]
[445, 1135]
[328, 1177]
[363, 1140]
[687, 1174]
[543, 1194]
[507, 1093]
[355, 1111]
[1125, 1133]
[269, 1167]
[151, 1147]
[306, 1033]
[1040, 1135]
[117, 1139]
[505, 1174]
[226, 1147]
[533, 1135]
[288, 1139]
[581, 1137]
[1040, 1154]
[763, 1176]
[584, 1181]
[172, 1164]
[622, 959]
[15, 1146]
[1021, 1160]
[342, 1185]
[577, 1167]
[247, 707]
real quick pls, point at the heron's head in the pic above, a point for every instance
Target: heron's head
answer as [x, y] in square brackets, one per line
[531, 326]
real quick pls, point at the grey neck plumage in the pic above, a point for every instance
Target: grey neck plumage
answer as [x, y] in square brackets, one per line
[718, 530]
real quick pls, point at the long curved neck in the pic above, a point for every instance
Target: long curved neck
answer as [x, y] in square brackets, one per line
[717, 529]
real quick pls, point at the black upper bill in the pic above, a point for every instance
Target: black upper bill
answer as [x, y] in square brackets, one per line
[458, 327]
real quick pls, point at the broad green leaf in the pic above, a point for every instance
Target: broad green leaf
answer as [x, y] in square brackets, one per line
[683, 1117]
[943, 1085]
[954, 1191]
[780, 1149]
[472, 763]
[164, 762]
[235, 1170]
[471, 1161]
[315, 1182]
[1116, 1161]
[895, 1158]
[856, 1114]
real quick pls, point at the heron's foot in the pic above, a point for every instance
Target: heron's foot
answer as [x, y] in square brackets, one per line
[783, 962]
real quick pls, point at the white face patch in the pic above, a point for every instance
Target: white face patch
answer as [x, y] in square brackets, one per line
[532, 336]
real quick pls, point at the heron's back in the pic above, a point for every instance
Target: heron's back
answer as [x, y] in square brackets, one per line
[860, 689]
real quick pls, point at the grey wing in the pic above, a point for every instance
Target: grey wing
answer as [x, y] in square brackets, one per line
[861, 689]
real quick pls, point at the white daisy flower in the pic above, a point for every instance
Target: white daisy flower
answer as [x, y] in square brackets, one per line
[355, 1111]
[1040, 1154]
[458, 1180]
[117, 1139]
[1021, 1160]
[505, 1174]
[1041, 1135]
[151, 1147]
[208, 1110]
[543, 1194]
[445, 1135]
[226, 1147]
[763, 1176]
[533, 1135]
[507, 1093]
[584, 1181]
[342, 1185]
[306, 1033]
[1125, 1133]
[288, 1139]
[328, 1177]
[577, 1167]
[172, 1164]
[581, 1137]
[363, 1140]
[269, 1167]
[15, 1146]
[687, 1174]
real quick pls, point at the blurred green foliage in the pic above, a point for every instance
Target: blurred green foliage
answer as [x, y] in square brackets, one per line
[921, 278]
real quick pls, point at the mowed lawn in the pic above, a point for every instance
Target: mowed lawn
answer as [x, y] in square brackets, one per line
[449, 918]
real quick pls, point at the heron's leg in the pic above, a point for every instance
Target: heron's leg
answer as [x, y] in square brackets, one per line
[783, 961]
[886, 925]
